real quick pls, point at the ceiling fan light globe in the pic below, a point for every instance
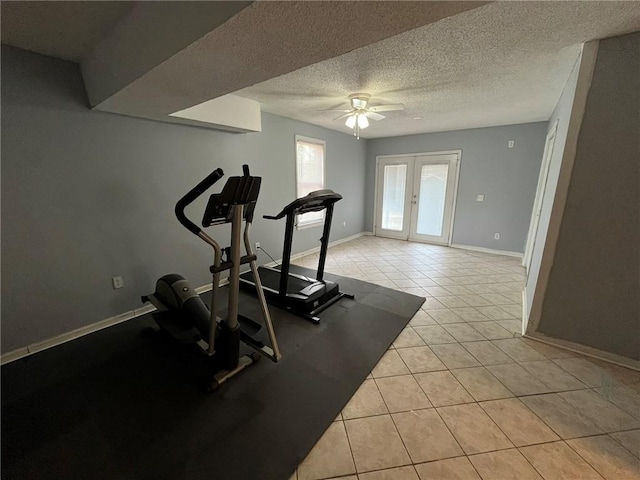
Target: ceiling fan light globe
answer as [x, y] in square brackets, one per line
[363, 122]
[359, 103]
[351, 121]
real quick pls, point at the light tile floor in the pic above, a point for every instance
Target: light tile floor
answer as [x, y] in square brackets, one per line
[460, 395]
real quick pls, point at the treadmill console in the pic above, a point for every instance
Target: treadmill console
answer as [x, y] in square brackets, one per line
[313, 202]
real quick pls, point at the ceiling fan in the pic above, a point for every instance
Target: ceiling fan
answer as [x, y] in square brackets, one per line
[359, 113]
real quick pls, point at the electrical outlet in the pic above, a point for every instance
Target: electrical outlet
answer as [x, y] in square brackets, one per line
[118, 282]
[496, 236]
[480, 198]
[257, 245]
[511, 143]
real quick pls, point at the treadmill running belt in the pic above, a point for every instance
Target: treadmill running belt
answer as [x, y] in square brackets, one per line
[271, 279]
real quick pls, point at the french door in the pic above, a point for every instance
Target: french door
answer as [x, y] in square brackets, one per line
[415, 197]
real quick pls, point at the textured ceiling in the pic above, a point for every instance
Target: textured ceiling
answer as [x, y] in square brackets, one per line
[265, 40]
[65, 30]
[456, 64]
[503, 63]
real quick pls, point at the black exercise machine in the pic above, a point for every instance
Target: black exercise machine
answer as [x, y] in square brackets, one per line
[181, 312]
[296, 293]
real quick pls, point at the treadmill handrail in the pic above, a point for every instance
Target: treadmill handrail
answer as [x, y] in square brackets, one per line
[194, 193]
[314, 201]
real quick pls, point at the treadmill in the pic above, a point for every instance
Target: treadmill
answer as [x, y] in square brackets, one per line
[298, 294]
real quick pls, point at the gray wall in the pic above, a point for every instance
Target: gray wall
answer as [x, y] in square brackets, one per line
[592, 294]
[89, 195]
[507, 178]
[561, 115]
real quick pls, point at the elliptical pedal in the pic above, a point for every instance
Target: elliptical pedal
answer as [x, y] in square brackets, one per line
[248, 326]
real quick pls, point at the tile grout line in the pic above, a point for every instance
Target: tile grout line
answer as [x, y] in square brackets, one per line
[573, 450]
[514, 361]
[587, 461]
[432, 407]
[393, 421]
[346, 433]
[445, 423]
[637, 455]
[433, 260]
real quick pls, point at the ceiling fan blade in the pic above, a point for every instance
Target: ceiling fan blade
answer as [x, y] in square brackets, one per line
[334, 110]
[343, 116]
[375, 116]
[386, 108]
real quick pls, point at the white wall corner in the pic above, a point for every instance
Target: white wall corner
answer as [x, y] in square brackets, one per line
[583, 85]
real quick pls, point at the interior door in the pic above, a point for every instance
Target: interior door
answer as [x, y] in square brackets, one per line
[434, 179]
[415, 196]
[540, 191]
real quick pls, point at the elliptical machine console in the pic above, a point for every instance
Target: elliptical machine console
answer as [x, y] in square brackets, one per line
[181, 312]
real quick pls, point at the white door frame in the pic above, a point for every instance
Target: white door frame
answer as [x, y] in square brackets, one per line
[549, 145]
[419, 154]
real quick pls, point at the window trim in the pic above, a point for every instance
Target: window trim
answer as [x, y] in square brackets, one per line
[315, 141]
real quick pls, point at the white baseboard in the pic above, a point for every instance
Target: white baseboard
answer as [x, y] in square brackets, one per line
[585, 350]
[108, 322]
[525, 316]
[317, 249]
[487, 250]
[14, 355]
[72, 335]
[331, 244]
[86, 330]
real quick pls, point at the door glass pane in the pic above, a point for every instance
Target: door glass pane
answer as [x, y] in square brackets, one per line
[395, 178]
[433, 188]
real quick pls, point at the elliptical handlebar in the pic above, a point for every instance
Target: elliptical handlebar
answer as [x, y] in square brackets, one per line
[194, 193]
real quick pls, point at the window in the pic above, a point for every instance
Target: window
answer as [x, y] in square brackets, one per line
[310, 154]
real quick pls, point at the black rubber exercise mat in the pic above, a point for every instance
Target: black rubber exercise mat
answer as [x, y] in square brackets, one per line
[119, 406]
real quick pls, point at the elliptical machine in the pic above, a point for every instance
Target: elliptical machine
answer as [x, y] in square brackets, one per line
[180, 311]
